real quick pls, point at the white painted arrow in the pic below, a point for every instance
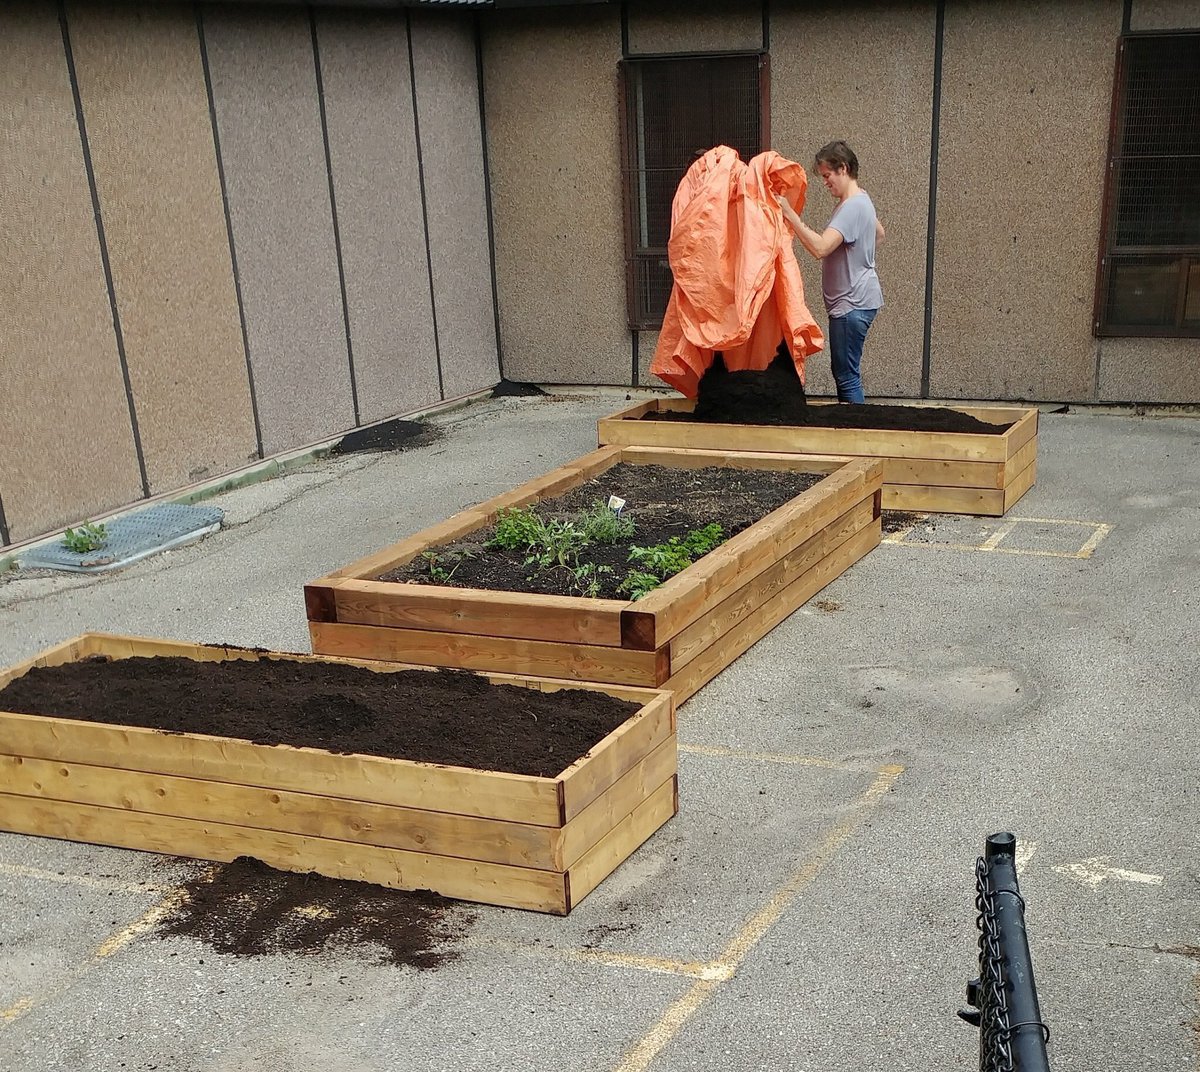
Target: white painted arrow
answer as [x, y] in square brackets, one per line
[1094, 870]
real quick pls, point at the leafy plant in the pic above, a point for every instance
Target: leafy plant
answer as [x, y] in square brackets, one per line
[558, 544]
[603, 525]
[517, 529]
[587, 578]
[438, 571]
[637, 583]
[661, 561]
[86, 538]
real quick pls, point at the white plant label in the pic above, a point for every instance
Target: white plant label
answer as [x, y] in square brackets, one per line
[616, 504]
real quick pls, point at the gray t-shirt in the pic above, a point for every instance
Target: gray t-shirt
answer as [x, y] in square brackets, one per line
[848, 279]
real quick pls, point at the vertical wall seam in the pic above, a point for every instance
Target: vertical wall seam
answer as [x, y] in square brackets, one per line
[337, 234]
[637, 353]
[1127, 16]
[634, 334]
[237, 279]
[766, 25]
[104, 259]
[412, 81]
[4, 537]
[931, 234]
[487, 191]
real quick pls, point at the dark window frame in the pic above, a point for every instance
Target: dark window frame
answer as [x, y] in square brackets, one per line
[1186, 256]
[638, 318]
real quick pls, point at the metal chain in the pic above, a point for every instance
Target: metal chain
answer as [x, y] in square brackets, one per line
[995, 1030]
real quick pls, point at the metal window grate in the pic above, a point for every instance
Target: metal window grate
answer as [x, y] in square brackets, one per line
[676, 108]
[1149, 275]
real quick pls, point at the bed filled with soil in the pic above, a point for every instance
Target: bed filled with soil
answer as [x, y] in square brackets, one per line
[441, 716]
[661, 501]
[775, 396]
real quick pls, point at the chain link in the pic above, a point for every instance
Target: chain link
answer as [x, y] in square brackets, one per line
[995, 1028]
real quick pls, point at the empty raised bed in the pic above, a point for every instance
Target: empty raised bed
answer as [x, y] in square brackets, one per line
[538, 841]
[678, 636]
[973, 472]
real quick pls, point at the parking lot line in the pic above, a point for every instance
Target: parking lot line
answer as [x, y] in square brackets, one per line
[643, 1053]
[774, 757]
[115, 942]
[83, 881]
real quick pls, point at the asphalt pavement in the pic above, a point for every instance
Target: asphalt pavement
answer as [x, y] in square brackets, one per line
[812, 905]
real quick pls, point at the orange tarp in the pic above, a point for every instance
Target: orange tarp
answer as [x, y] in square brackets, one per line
[737, 285]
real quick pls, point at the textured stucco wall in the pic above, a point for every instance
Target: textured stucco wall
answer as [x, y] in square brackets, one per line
[142, 85]
[445, 73]
[376, 180]
[66, 442]
[268, 115]
[550, 87]
[1020, 186]
[694, 26]
[1165, 15]
[882, 106]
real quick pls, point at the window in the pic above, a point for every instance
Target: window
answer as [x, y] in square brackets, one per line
[674, 108]
[1148, 282]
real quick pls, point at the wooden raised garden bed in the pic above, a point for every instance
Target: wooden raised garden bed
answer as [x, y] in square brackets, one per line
[677, 637]
[941, 472]
[540, 843]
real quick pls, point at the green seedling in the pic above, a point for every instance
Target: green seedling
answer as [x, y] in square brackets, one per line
[437, 570]
[661, 561]
[602, 525]
[86, 538]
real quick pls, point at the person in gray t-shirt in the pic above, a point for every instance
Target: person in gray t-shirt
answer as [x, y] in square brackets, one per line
[846, 250]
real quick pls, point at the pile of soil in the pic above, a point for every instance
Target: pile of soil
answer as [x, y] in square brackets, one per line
[247, 909]
[390, 435]
[660, 500]
[439, 716]
[775, 396]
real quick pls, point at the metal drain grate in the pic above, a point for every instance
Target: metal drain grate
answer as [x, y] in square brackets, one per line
[130, 538]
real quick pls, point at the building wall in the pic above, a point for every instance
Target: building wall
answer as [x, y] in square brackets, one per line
[235, 246]
[1017, 151]
[550, 93]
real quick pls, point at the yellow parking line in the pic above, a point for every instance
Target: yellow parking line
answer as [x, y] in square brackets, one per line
[642, 1055]
[773, 757]
[112, 944]
[994, 539]
[82, 881]
[1086, 550]
[689, 969]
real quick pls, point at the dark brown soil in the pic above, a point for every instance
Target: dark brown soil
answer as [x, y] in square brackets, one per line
[440, 716]
[775, 396]
[248, 909]
[390, 435]
[660, 500]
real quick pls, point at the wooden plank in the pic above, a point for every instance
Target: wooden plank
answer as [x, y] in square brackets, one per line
[733, 458]
[1022, 433]
[869, 442]
[68, 651]
[933, 472]
[517, 615]
[985, 502]
[118, 646]
[1024, 481]
[621, 842]
[664, 612]
[420, 830]
[1019, 462]
[461, 524]
[704, 632]
[617, 802]
[540, 658]
[608, 761]
[756, 625]
[484, 794]
[515, 887]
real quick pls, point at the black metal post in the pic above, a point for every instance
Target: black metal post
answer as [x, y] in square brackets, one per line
[1027, 1033]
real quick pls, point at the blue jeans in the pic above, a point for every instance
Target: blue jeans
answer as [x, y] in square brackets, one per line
[846, 337]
